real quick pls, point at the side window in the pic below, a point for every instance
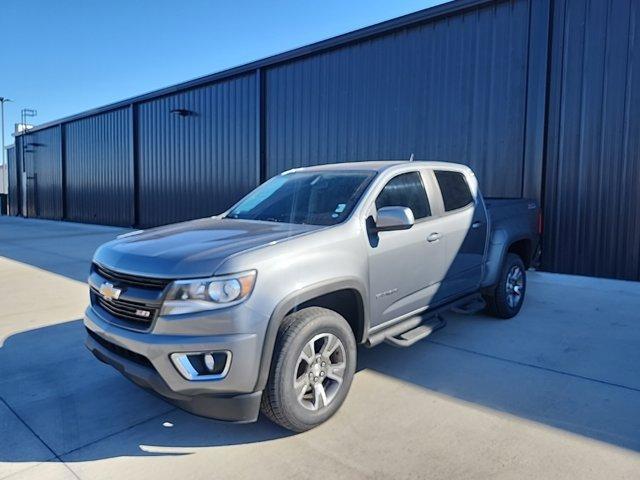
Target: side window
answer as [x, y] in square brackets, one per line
[405, 190]
[454, 188]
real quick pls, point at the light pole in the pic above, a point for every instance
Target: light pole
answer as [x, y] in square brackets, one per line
[24, 114]
[2, 102]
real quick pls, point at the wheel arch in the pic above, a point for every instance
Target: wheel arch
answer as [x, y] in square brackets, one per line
[524, 249]
[334, 295]
[500, 245]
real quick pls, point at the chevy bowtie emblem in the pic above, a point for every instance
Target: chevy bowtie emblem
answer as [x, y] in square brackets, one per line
[108, 291]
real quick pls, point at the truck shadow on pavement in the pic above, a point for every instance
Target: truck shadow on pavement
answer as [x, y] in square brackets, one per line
[533, 381]
[59, 402]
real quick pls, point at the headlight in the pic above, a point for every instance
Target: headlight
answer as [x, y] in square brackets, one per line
[188, 296]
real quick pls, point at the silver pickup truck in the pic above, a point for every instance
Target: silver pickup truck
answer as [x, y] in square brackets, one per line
[261, 307]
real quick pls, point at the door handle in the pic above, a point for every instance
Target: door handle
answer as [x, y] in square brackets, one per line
[476, 224]
[434, 237]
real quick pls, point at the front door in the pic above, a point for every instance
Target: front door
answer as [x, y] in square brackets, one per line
[405, 266]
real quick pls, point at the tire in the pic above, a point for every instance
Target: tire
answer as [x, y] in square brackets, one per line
[500, 302]
[294, 409]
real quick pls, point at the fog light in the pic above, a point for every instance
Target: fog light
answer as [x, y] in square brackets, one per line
[209, 362]
[202, 365]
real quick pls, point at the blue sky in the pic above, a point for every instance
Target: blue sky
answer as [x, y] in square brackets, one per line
[63, 57]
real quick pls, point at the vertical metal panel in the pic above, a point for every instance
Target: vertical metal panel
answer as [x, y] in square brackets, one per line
[592, 186]
[452, 89]
[21, 177]
[536, 91]
[98, 174]
[261, 125]
[134, 163]
[4, 174]
[13, 179]
[43, 161]
[199, 162]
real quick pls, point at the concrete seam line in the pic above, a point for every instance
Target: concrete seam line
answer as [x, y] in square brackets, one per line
[524, 364]
[25, 470]
[71, 470]
[118, 432]
[21, 472]
[29, 428]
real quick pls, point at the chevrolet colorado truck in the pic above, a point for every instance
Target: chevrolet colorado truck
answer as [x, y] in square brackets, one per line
[261, 307]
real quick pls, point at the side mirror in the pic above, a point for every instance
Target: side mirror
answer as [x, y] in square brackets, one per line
[394, 218]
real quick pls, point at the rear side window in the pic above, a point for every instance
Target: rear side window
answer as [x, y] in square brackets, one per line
[405, 190]
[454, 188]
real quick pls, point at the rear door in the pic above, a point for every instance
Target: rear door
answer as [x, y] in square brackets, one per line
[405, 266]
[464, 231]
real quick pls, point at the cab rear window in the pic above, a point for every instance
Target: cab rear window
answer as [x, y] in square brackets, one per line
[455, 189]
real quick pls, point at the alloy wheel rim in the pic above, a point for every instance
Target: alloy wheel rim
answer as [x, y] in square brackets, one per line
[319, 371]
[515, 286]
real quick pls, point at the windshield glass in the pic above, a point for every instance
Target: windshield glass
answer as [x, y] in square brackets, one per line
[314, 198]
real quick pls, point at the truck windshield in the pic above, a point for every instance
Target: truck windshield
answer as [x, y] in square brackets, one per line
[313, 198]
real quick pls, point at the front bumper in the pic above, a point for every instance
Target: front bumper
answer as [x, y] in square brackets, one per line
[144, 358]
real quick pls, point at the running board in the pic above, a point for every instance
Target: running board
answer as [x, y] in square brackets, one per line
[413, 323]
[408, 338]
[476, 305]
[408, 331]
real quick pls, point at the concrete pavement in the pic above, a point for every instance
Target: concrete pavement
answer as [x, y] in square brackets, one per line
[553, 393]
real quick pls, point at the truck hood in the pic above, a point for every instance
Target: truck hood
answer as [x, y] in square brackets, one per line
[191, 249]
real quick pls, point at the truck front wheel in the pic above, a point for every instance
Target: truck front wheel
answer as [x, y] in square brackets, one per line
[507, 296]
[312, 369]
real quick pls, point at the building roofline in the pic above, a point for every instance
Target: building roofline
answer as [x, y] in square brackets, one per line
[378, 29]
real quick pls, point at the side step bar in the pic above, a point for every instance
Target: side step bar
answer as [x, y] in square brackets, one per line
[411, 330]
[416, 334]
[474, 306]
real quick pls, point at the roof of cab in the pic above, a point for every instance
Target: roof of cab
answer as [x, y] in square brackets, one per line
[378, 166]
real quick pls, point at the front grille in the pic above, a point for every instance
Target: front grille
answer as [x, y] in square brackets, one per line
[140, 301]
[133, 280]
[127, 310]
[121, 352]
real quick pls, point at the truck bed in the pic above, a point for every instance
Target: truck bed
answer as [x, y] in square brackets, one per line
[500, 209]
[514, 218]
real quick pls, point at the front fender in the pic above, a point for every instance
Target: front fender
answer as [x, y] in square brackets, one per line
[288, 303]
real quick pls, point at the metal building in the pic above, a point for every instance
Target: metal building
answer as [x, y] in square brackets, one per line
[540, 97]
[13, 179]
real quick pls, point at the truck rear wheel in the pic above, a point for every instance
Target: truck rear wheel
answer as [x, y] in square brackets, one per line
[312, 369]
[505, 301]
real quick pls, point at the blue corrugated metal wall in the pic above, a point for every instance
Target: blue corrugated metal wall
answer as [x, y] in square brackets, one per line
[539, 97]
[452, 90]
[13, 179]
[592, 188]
[199, 161]
[99, 169]
[43, 162]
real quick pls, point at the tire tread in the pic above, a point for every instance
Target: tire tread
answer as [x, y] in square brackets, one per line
[271, 404]
[497, 299]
